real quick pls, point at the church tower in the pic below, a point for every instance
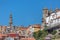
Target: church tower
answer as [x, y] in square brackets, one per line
[45, 14]
[10, 22]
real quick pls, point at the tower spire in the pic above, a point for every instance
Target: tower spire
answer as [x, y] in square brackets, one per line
[10, 23]
[50, 8]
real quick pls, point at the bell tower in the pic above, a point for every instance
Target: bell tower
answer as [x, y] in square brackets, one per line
[45, 14]
[10, 22]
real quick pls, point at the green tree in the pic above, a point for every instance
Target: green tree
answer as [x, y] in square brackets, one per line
[54, 32]
[35, 35]
[40, 34]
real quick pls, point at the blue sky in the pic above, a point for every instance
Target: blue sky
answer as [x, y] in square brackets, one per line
[25, 12]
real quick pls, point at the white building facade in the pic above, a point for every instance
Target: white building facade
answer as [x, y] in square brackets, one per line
[53, 19]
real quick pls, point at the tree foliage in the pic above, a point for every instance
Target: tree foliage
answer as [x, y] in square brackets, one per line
[54, 32]
[40, 34]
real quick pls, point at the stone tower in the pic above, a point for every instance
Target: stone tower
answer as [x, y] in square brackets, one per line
[45, 14]
[9, 28]
[10, 22]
